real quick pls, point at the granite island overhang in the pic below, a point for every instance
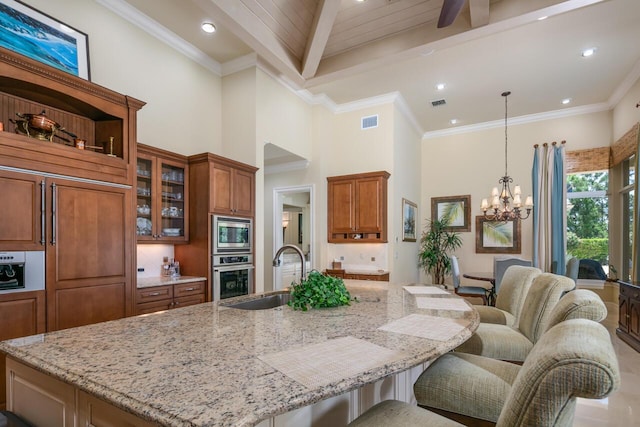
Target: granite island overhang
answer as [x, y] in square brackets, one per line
[210, 365]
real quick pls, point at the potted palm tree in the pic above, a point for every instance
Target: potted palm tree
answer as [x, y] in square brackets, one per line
[436, 245]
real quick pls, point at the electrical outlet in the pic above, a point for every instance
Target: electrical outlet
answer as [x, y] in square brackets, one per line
[373, 259]
[341, 258]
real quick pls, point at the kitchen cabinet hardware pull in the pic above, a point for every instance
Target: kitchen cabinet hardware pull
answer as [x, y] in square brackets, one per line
[43, 193]
[53, 213]
[189, 289]
[154, 294]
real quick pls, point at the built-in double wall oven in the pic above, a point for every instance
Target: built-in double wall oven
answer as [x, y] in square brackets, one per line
[232, 257]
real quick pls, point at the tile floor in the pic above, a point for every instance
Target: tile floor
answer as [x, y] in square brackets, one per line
[622, 408]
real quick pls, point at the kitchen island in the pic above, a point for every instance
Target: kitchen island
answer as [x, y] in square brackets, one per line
[210, 365]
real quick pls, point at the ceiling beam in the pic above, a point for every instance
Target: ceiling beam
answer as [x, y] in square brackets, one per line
[322, 24]
[239, 19]
[479, 11]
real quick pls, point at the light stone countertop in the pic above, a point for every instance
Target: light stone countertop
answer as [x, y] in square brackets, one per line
[148, 282]
[199, 366]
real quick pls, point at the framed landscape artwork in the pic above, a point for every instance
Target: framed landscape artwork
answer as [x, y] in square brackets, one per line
[38, 36]
[456, 208]
[409, 215]
[497, 237]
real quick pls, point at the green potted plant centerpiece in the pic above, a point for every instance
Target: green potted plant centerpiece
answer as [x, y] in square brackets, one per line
[317, 291]
[436, 245]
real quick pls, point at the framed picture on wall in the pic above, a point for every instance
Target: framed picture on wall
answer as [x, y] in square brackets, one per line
[409, 215]
[497, 237]
[38, 36]
[456, 208]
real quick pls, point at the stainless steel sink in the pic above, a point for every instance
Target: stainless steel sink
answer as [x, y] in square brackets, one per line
[262, 303]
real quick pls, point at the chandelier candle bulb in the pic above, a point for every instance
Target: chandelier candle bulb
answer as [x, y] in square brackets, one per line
[484, 205]
[528, 203]
[516, 190]
[517, 202]
[496, 202]
[494, 192]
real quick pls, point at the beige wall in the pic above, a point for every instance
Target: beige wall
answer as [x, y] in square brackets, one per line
[403, 256]
[625, 113]
[472, 163]
[183, 111]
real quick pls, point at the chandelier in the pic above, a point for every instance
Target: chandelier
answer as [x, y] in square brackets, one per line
[506, 205]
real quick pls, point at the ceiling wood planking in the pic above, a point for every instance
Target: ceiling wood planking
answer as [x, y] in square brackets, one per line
[379, 9]
[320, 30]
[479, 12]
[279, 24]
[252, 31]
[372, 31]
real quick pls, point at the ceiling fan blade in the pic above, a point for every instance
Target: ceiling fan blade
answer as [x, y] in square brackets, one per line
[449, 12]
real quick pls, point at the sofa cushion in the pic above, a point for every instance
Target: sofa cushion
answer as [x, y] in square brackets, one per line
[400, 414]
[578, 304]
[466, 384]
[498, 342]
[489, 314]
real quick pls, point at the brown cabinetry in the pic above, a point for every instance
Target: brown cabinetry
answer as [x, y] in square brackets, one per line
[232, 189]
[342, 274]
[216, 186]
[629, 314]
[357, 208]
[162, 192]
[84, 229]
[157, 298]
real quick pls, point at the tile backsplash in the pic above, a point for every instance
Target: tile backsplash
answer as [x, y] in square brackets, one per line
[359, 256]
[150, 258]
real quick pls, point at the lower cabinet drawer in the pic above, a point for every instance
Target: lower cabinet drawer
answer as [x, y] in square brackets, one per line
[154, 294]
[187, 301]
[191, 288]
[152, 307]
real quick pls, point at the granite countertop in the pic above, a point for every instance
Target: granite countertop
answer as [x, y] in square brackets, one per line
[148, 282]
[204, 364]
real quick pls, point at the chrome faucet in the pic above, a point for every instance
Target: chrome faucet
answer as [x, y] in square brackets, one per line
[276, 259]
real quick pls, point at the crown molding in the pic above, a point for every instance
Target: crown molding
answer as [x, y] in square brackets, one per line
[286, 167]
[624, 87]
[239, 64]
[155, 29]
[530, 118]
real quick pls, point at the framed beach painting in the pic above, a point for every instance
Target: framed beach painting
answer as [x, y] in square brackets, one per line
[457, 209]
[409, 215]
[38, 36]
[497, 237]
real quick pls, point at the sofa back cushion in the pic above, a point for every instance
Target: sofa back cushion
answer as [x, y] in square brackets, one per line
[544, 294]
[515, 285]
[573, 359]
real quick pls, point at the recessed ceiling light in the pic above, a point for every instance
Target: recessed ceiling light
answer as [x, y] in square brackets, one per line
[542, 18]
[566, 101]
[440, 86]
[588, 52]
[361, 1]
[208, 27]
[453, 121]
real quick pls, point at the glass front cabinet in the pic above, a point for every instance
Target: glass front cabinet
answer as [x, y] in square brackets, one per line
[162, 196]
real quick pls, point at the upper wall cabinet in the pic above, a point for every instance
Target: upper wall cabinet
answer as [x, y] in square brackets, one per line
[162, 192]
[231, 184]
[357, 208]
[103, 122]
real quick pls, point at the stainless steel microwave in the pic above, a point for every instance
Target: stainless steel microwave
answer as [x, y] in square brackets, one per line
[231, 235]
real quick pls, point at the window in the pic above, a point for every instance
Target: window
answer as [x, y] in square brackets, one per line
[627, 192]
[588, 223]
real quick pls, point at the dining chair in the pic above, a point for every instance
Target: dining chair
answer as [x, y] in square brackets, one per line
[515, 285]
[573, 359]
[500, 265]
[573, 268]
[466, 291]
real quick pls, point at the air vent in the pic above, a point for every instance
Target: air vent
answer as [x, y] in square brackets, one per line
[369, 122]
[438, 102]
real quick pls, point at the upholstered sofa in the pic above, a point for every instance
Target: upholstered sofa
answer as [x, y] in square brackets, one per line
[575, 358]
[514, 343]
